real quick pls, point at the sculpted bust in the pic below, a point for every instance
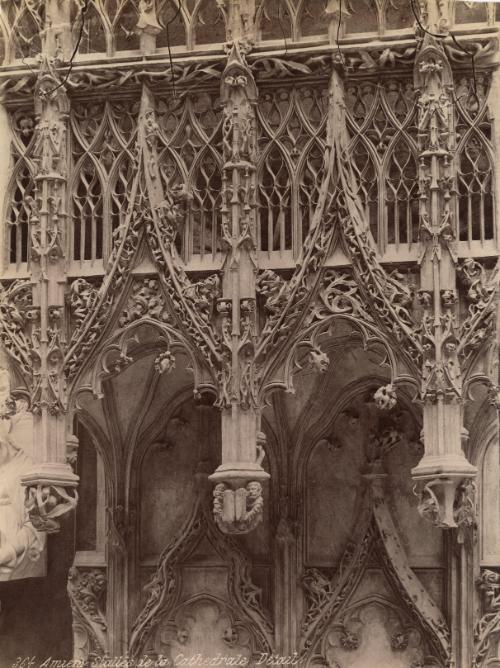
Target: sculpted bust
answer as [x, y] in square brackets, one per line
[21, 546]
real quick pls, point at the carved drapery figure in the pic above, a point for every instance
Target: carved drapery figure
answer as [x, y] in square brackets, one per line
[21, 545]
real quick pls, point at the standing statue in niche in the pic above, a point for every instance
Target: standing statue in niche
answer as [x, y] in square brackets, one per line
[22, 547]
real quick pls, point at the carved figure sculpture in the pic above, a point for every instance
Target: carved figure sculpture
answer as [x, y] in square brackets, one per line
[239, 510]
[21, 545]
[385, 397]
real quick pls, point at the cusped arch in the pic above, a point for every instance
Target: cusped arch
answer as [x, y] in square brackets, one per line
[274, 110]
[274, 197]
[339, 300]
[125, 35]
[361, 102]
[206, 623]
[18, 209]
[205, 186]
[174, 21]
[25, 30]
[116, 349]
[208, 23]
[87, 210]
[401, 193]
[274, 20]
[311, 103]
[164, 588]
[96, 31]
[475, 190]
[312, 18]
[87, 124]
[173, 172]
[404, 640]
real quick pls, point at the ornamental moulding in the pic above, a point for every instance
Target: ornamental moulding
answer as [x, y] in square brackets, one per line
[185, 73]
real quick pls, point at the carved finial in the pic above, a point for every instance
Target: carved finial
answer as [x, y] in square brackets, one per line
[237, 74]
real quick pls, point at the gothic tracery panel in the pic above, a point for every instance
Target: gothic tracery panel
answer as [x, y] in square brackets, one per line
[173, 19]
[87, 237]
[103, 139]
[205, 221]
[475, 192]
[382, 122]
[95, 31]
[274, 20]
[378, 633]
[401, 195]
[21, 188]
[291, 136]
[312, 18]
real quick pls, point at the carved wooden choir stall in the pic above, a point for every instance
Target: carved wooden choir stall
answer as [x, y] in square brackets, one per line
[248, 330]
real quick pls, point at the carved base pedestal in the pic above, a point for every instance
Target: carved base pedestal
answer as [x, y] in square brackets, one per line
[442, 485]
[238, 500]
[50, 493]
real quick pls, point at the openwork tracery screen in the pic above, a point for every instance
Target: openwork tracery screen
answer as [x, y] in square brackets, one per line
[291, 129]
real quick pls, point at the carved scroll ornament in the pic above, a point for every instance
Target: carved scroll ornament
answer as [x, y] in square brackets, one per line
[481, 294]
[487, 629]
[87, 593]
[15, 313]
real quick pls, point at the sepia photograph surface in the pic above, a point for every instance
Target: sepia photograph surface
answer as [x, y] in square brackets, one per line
[249, 321]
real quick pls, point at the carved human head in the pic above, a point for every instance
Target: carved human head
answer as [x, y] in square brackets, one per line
[254, 490]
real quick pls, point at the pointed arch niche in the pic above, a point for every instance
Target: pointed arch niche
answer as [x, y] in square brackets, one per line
[342, 451]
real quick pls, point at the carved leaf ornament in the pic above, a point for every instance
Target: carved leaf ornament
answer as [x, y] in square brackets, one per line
[333, 626]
